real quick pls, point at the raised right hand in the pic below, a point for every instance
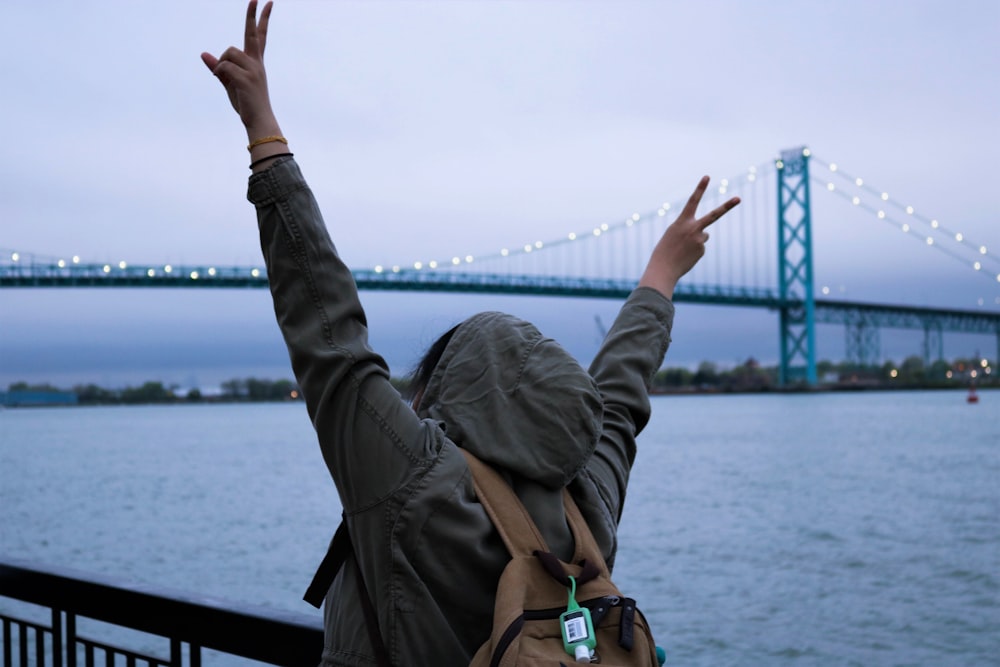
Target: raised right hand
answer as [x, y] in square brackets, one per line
[683, 243]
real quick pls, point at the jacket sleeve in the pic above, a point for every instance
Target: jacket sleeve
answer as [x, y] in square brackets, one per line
[623, 369]
[371, 440]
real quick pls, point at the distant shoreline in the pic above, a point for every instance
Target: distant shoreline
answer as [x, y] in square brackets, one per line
[750, 377]
[655, 392]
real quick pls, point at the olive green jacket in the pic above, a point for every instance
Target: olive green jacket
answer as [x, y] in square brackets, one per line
[430, 557]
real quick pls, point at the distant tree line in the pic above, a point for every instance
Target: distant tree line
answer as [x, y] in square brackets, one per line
[912, 373]
[236, 390]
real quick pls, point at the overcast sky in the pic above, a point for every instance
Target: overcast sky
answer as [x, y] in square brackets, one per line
[441, 128]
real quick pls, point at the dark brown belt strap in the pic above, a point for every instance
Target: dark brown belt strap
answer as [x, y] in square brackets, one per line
[336, 554]
[334, 559]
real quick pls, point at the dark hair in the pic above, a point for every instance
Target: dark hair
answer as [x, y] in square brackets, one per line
[420, 376]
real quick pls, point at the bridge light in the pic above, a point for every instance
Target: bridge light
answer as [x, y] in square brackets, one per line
[597, 231]
[982, 250]
[604, 227]
[433, 264]
[833, 167]
[662, 212]
[831, 187]
[959, 237]
[881, 215]
[666, 206]
[572, 236]
[893, 373]
[455, 261]
[469, 258]
[909, 210]
[504, 252]
[418, 265]
[379, 269]
[395, 269]
[15, 256]
[255, 273]
[905, 227]
[150, 273]
[856, 200]
[538, 244]
[527, 248]
[76, 259]
[635, 217]
[778, 164]
[930, 241]
[211, 271]
[977, 266]
[107, 269]
[61, 263]
[194, 275]
[752, 177]
[973, 373]
[806, 152]
[122, 265]
[168, 269]
[984, 363]
[885, 196]
[998, 280]
[859, 182]
[826, 290]
[934, 224]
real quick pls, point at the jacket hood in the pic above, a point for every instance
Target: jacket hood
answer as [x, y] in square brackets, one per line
[515, 399]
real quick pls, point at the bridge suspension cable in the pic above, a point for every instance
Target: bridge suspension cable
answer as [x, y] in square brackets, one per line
[983, 262]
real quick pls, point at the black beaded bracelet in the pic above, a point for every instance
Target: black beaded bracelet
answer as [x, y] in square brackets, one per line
[270, 157]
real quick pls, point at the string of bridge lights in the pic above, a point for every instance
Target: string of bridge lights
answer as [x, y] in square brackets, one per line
[884, 201]
[725, 185]
[18, 258]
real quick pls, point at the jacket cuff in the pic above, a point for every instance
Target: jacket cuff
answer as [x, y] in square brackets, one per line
[654, 301]
[275, 183]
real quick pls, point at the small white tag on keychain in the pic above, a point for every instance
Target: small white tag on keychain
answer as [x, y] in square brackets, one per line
[577, 628]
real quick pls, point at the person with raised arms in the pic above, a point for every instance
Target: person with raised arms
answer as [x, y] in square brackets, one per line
[425, 553]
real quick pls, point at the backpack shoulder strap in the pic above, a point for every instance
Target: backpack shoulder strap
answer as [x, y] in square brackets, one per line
[586, 545]
[505, 509]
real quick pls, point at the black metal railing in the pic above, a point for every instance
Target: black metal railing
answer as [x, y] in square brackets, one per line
[187, 623]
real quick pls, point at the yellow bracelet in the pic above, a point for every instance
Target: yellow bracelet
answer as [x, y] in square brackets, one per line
[266, 140]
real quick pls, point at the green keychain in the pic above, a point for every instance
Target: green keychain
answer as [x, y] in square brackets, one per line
[577, 628]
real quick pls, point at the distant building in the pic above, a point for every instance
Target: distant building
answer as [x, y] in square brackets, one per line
[23, 399]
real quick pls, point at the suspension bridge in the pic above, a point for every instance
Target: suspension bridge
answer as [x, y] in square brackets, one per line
[767, 264]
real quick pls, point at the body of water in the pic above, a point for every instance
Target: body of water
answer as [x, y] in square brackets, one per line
[806, 529]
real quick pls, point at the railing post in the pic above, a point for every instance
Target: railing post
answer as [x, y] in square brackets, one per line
[57, 640]
[70, 639]
[7, 650]
[795, 270]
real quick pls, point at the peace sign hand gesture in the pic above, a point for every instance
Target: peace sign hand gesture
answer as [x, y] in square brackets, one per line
[244, 78]
[682, 244]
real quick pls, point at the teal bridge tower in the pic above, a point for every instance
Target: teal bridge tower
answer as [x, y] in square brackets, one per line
[797, 314]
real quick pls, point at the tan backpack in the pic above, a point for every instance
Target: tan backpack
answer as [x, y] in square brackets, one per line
[533, 600]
